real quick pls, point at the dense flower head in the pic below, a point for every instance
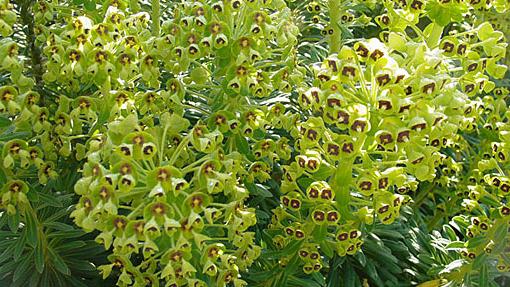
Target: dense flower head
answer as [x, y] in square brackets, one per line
[376, 125]
[148, 195]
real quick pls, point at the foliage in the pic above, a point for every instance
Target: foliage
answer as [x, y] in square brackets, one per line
[254, 143]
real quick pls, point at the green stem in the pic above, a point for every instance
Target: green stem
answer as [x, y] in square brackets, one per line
[194, 165]
[179, 149]
[423, 195]
[499, 169]
[219, 239]
[176, 208]
[41, 236]
[27, 18]
[335, 40]
[432, 223]
[162, 146]
[217, 225]
[434, 37]
[155, 17]
[341, 183]
[196, 108]
[136, 191]
[136, 211]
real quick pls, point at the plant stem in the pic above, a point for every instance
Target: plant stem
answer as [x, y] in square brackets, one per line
[155, 17]
[27, 18]
[341, 180]
[133, 214]
[334, 20]
[182, 145]
[422, 195]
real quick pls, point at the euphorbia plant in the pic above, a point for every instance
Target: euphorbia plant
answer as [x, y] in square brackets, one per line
[153, 184]
[382, 117]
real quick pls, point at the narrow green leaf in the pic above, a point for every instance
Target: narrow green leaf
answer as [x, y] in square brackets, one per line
[19, 246]
[480, 260]
[70, 245]
[372, 273]
[7, 254]
[258, 190]
[327, 249]
[13, 222]
[319, 278]
[349, 276]
[89, 5]
[455, 245]
[476, 241]
[242, 145]
[76, 282]
[34, 279]
[81, 265]
[58, 226]
[31, 230]
[8, 267]
[450, 232]
[59, 263]
[22, 268]
[4, 122]
[67, 234]
[389, 234]
[39, 257]
[483, 279]
[49, 199]
[6, 136]
[362, 259]
[295, 281]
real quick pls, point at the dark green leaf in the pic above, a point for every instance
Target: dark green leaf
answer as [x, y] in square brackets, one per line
[39, 257]
[327, 249]
[258, 190]
[450, 232]
[49, 199]
[4, 122]
[58, 226]
[13, 221]
[70, 245]
[19, 246]
[476, 241]
[372, 273]
[483, 279]
[480, 260]
[23, 268]
[242, 145]
[362, 259]
[31, 230]
[349, 276]
[455, 245]
[6, 136]
[59, 263]
[89, 5]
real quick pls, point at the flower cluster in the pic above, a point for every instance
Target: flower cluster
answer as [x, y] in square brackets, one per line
[150, 193]
[168, 195]
[7, 18]
[377, 124]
